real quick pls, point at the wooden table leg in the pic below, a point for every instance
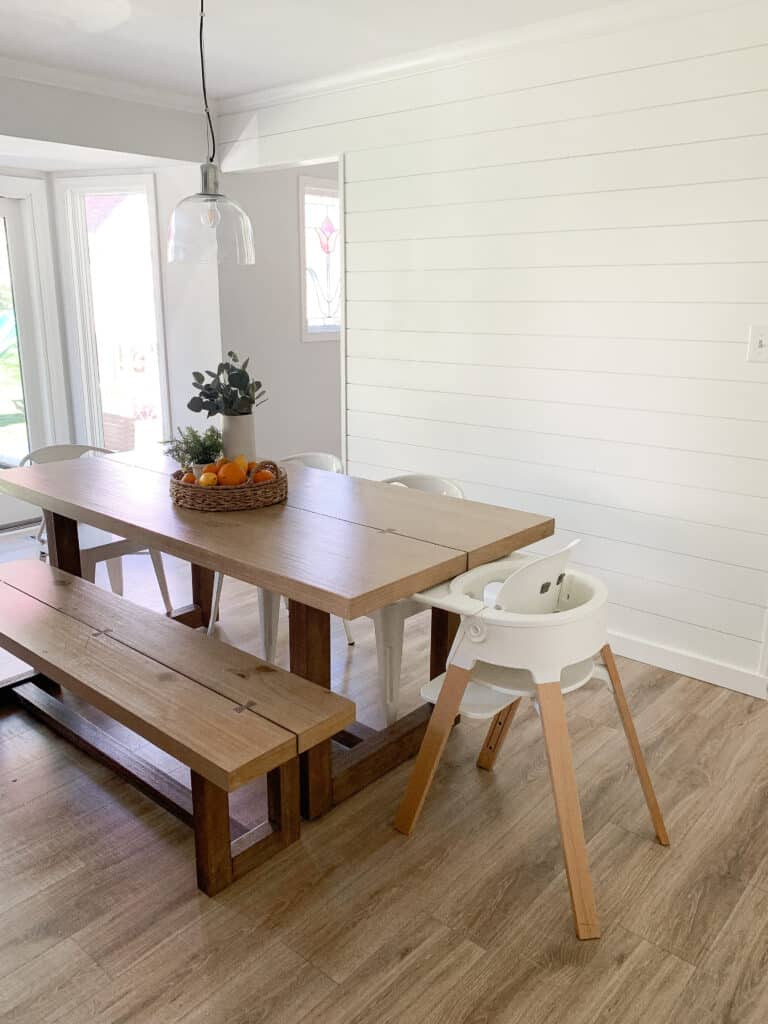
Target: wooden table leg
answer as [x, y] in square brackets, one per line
[444, 628]
[63, 543]
[199, 612]
[310, 646]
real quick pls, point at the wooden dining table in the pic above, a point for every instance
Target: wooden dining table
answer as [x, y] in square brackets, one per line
[338, 545]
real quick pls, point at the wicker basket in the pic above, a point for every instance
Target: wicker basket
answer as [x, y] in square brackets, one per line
[231, 499]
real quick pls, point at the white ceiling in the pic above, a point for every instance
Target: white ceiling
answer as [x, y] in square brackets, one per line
[250, 45]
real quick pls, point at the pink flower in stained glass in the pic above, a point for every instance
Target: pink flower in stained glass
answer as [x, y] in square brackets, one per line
[326, 235]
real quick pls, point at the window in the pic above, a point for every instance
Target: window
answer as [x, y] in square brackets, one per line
[321, 243]
[113, 242]
[14, 442]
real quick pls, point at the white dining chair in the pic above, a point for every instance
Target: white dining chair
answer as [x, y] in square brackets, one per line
[529, 628]
[269, 601]
[389, 622]
[97, 545]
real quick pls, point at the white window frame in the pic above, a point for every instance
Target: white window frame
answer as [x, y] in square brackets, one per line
[324, 187]
[78, 301]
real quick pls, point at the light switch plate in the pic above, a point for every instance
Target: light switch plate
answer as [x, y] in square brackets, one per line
[757, 349]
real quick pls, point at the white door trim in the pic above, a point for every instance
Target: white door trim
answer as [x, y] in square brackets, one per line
[43, 353]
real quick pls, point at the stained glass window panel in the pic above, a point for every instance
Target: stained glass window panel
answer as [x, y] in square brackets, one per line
[321, 257]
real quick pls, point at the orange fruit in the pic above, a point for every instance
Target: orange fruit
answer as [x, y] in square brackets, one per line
[262, 475]
[212, 468]
[232, 474]
[220, 462]
[188, 478]
[208, 480]
[252, 466]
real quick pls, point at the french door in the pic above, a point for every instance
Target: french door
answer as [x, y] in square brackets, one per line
[21, 399]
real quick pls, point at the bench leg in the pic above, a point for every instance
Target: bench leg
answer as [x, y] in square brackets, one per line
[212, 843]
[283, 794]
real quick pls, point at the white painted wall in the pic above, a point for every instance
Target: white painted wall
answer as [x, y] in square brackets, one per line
[261, 317]
[190, 301]
[76, 116]
[553, 259]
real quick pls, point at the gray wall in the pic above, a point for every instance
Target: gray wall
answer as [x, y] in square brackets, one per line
[261, 317]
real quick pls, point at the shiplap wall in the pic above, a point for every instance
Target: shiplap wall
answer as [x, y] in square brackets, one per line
[553, 259]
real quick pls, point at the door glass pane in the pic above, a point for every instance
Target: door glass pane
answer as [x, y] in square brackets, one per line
[14, 443]
[124, 316]
[322, 255]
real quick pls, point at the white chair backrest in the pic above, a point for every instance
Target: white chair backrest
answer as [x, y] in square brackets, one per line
[317, 460]
[430, 484]
[61, 453]
[534, 588]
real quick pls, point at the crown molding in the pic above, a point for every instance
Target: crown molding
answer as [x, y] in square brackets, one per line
[41, 74]
[596, 21]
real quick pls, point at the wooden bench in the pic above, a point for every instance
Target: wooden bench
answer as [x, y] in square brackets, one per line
[227, 715]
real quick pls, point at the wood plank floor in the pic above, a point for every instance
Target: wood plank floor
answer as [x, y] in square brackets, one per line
[466, 922]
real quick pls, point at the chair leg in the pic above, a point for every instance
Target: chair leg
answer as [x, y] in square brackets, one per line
[87, 567]
[389, 625]
[634, 746]
[218, 581]
[162, 582]
[269, 612]
[348, 631]
[496, 735]
[566, 796]
[115, 573]
[432, 746]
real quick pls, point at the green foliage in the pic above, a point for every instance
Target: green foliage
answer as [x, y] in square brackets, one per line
[191, 448]
[6, 297]
[229, 391]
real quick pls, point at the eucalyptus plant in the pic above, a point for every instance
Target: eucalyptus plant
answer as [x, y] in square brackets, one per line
[191, 448]
[230, 391]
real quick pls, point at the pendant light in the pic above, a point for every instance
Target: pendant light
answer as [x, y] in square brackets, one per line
[207, 227]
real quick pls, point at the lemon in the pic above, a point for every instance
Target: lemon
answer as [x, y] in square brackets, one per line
[208, 480]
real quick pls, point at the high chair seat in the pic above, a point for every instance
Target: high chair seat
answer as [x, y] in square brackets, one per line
[494, 687]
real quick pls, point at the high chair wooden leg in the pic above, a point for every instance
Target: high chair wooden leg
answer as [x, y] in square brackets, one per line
[634, 746]
[432, 746]
[496, 735]
[566, 797]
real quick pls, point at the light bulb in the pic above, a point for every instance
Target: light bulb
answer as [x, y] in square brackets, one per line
[210, 216]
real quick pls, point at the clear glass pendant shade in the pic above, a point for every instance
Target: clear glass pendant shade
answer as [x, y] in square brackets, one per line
[210, 228]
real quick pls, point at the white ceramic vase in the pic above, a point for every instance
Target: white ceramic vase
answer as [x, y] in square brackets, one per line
[238, 436]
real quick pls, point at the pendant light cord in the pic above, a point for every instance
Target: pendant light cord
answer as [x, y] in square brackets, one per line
[211, 136]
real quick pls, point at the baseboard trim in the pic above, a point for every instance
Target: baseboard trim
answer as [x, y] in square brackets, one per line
[688, 664]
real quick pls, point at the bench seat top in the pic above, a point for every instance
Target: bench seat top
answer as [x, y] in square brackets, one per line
[224, 712]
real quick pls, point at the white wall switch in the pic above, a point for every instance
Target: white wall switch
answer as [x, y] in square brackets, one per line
[757, 349]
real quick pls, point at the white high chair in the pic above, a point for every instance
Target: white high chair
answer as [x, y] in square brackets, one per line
[97, 545]
[528, 629]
